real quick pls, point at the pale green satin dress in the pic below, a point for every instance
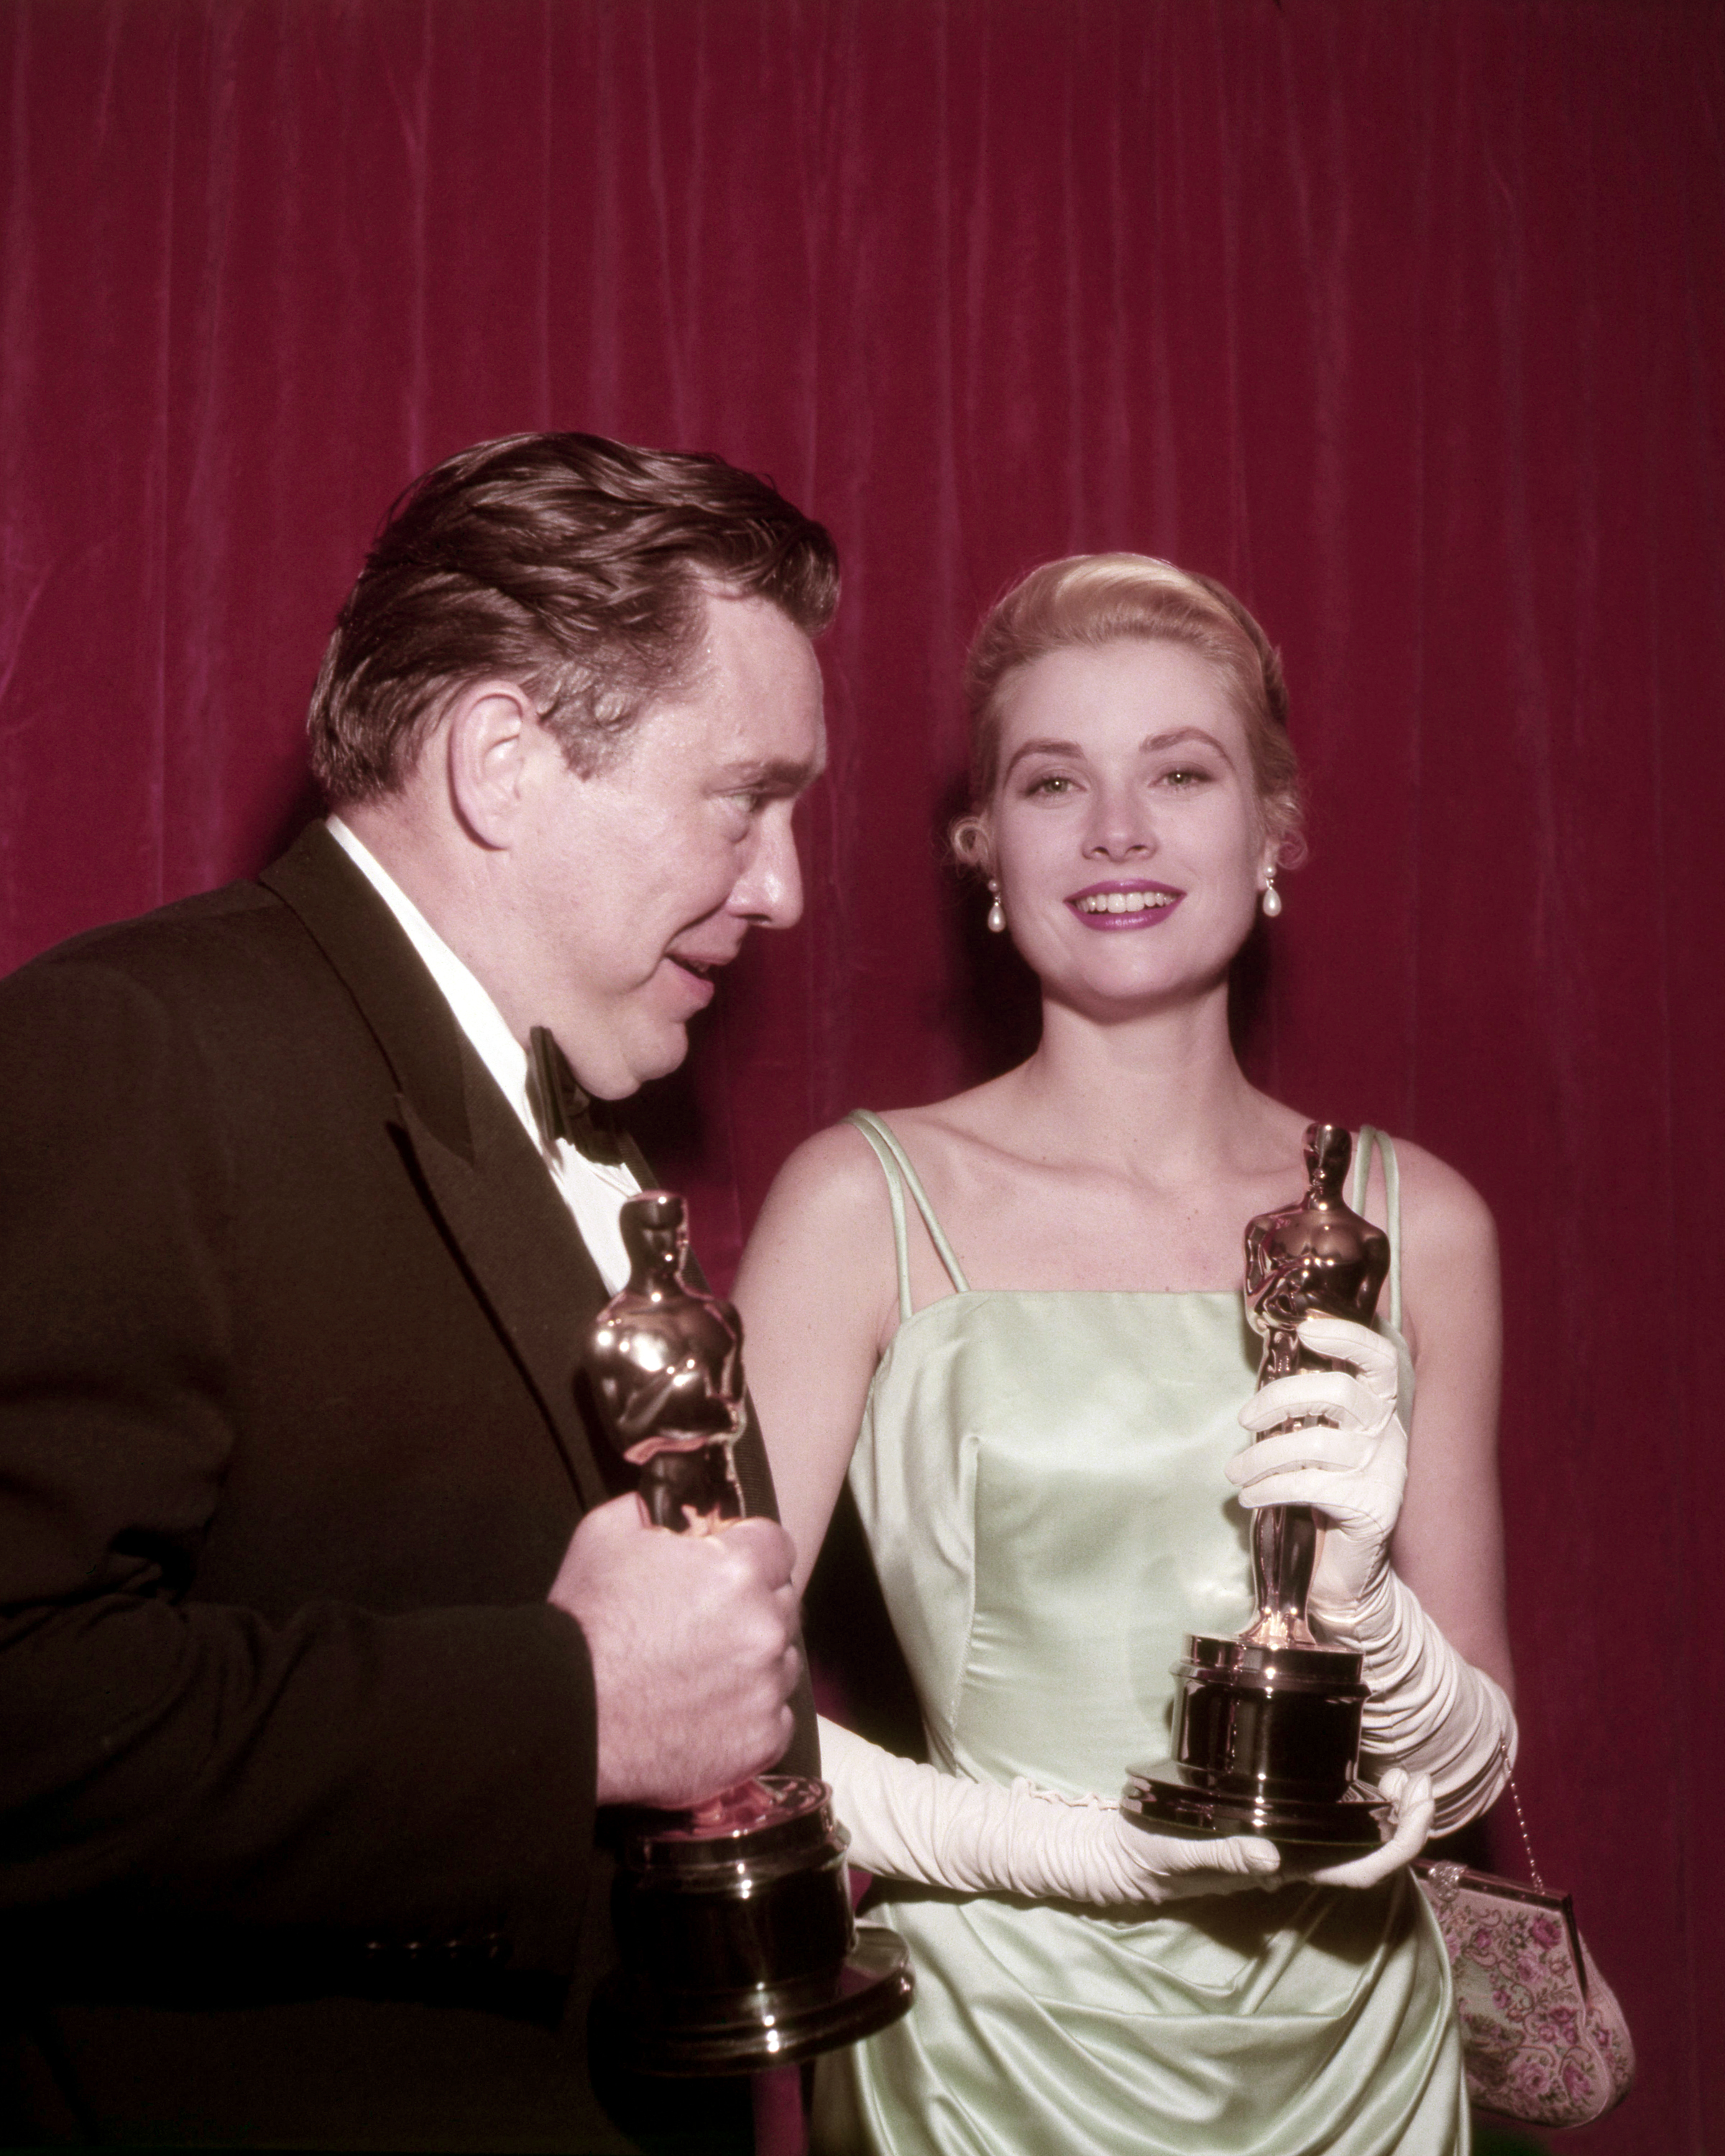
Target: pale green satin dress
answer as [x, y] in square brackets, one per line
[1040, 1474]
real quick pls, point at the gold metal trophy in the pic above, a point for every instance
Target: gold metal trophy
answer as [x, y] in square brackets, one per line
[1267, 1725]
[740, 1951]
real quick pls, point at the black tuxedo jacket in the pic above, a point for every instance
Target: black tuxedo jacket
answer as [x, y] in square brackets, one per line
[297, 1836]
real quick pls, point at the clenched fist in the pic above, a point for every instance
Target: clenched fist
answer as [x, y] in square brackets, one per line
[693, 1644]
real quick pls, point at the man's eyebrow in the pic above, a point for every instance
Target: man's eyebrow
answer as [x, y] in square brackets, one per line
[777, 774]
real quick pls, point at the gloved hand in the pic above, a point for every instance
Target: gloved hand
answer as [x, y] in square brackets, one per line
[1354, 1468]
[1412, 1809]
[908, 1820]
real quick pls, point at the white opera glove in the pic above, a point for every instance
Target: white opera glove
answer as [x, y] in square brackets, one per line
[911, 1821]
[1352, 1467]
[1428, 1710]
[1412, 1809]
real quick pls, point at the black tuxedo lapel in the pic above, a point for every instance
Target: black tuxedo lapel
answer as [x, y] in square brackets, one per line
[400, 1003]
[497, 1203]
[523, 1253]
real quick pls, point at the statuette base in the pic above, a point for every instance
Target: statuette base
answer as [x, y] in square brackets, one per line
[740, 1949]
[1266, 1742]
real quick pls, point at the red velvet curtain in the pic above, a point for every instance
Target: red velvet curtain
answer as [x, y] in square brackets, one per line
[1405, 320]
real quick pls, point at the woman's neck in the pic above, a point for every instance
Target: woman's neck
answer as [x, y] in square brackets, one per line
[1126, 1154]
[1159, 1092]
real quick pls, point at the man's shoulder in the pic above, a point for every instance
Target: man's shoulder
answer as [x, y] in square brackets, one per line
[201, 922]
[237, 940]
[234, 944]
[239, 960]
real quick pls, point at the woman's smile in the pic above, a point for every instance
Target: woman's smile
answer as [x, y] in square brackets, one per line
[1131, 903]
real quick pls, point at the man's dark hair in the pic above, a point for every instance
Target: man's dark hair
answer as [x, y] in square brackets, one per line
[572, 565]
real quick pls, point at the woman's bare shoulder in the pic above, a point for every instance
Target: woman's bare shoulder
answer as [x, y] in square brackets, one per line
[835, 1172]
[1450, 1293]
[821, 1250]
[836, 1178]
[985, 1119]
[1443, 1215]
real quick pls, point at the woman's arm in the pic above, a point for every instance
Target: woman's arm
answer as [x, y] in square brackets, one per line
[819, 1293]
[1448, 1543]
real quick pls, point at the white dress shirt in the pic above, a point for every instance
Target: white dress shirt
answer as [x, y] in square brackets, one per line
[593, 1192]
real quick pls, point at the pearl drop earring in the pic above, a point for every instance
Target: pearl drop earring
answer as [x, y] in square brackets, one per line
[1271, 901]
[997, 911]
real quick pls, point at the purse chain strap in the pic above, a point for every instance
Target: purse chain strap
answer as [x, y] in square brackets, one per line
[1515, 1797]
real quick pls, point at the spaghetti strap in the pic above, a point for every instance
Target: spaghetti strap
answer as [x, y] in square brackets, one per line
[895, 1166]
[1363, 1144]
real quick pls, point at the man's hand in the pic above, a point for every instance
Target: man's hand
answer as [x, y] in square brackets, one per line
[692, 1640]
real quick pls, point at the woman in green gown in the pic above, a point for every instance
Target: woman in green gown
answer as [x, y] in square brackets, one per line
[1015, 1319]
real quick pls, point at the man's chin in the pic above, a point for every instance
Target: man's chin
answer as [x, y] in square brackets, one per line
[633, 1063]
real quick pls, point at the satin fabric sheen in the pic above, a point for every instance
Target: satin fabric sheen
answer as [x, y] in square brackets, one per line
[1040, 1478]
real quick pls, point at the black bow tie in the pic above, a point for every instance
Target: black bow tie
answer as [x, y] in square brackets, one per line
[564, 1108]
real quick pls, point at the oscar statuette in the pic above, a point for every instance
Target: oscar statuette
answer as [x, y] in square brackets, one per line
[740, 1952]
[1267, 1724]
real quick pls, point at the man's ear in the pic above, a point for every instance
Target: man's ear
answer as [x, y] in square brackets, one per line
[487, 742]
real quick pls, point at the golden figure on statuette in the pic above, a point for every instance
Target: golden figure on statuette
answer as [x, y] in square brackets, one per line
[665, 1361]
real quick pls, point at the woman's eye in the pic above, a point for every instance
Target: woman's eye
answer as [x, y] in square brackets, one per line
[1185, 776]
[1053, 782]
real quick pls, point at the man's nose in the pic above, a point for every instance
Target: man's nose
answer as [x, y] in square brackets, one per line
[768, 894]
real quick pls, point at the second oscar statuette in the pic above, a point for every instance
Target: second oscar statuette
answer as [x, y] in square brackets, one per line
[740, 1951]
[1267, 1724]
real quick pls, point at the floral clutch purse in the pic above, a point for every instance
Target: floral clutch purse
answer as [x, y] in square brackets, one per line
[1542, 2038]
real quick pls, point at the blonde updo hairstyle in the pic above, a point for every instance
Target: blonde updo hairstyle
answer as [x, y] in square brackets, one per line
[1095, 600]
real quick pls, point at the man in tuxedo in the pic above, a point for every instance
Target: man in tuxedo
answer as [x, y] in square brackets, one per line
[324, 1644]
